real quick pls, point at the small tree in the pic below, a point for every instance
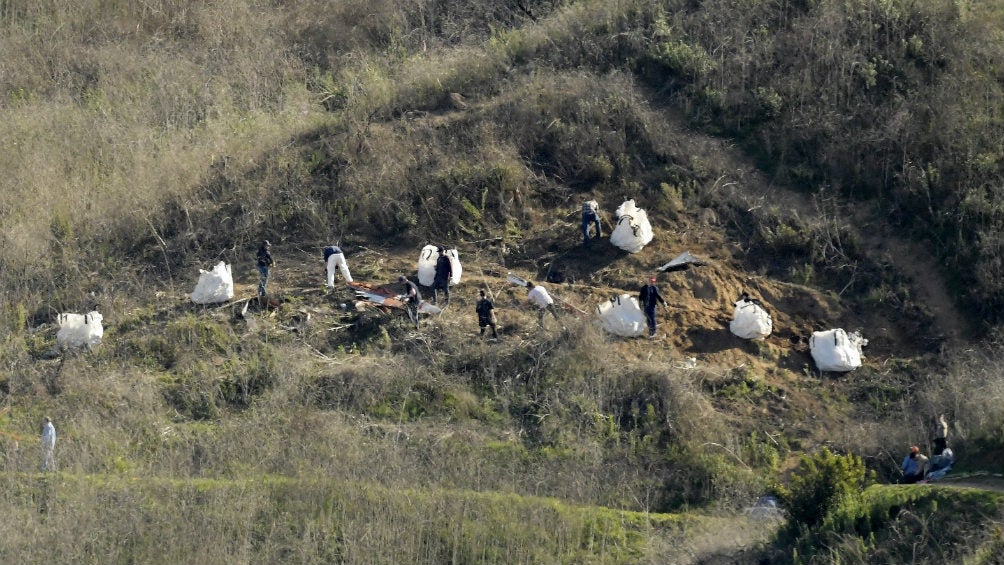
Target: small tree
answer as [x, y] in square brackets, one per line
[820, 483]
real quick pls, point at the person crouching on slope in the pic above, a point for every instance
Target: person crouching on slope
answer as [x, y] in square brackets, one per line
[914, 466]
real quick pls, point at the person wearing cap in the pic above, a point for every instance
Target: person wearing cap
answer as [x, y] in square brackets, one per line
[649, 297]
[538, 296]
[914, 466]
[335, 259]
[265, 263]
[412, 298]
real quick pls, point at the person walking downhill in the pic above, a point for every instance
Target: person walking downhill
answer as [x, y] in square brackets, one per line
[649, 297]
[412, 298]
[590, 216]
[538, 296]
[486, 314]
[335, 259]
[48, 445]
[444, 272]
[265, 263]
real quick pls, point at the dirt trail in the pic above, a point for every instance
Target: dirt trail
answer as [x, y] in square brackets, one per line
[994, 482]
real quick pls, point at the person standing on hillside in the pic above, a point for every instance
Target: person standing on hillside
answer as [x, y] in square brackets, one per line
[335, 259]
[940, 439]
[485, 309]
[538, 296]
[48, 445]
[444, 272]
[649, 297]
[265, 263]
[914, 466]
[590, 216]
[412, 298]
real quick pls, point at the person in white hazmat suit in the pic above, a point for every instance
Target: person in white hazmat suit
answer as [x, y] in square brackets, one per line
[335, 259]
[48, 445]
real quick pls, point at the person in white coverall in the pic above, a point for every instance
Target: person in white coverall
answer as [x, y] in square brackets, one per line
[48, 445]
[335, 259]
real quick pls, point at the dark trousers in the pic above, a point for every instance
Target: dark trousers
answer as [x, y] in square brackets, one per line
[262, 279]
[487, 322]
[588, 220]
[412, 309]
[650, 318]
[436, 287]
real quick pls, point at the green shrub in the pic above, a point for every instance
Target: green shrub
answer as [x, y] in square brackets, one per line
[820, 483]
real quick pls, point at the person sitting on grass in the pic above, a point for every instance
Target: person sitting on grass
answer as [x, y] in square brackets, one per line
[914, 466]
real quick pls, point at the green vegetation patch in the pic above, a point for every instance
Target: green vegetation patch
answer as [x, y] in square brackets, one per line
[898, 523]
[86, 519]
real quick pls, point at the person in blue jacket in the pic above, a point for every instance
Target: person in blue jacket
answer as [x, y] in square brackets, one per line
[914, 466]
[590, 217]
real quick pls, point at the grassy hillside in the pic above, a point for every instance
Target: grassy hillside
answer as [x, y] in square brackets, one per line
[838, 159]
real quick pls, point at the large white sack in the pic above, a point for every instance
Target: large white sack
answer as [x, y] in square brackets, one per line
[214, 286]
[751, 321]
[836, 350]
[427, 265]
[80, 330]
[455, 264]
[633, 231]
[622, 316]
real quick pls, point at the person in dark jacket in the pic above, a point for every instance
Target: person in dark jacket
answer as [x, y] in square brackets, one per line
[444, 271]
[265, 263]
[486, 314]
[412, 298]
[649, 297]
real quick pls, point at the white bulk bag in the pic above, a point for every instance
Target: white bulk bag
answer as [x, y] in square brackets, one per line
[80, 330]
[633, 231]
[427, 265]
[455, 264]
[622, 316]
[214, 286]
[836, 350]
[751, 321]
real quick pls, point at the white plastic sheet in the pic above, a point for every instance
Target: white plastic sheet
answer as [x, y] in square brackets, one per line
[427, 265]
[622, 316]
[214, 286]
[633, 231]
[836, 350]
[80, 330]
[751, 321]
